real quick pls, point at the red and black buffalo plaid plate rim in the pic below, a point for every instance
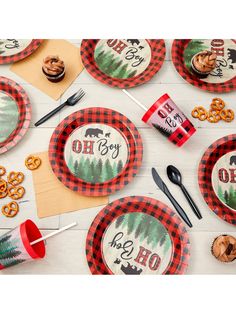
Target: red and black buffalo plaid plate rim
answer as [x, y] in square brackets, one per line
[103, 116]
[177, 232]
[211, 156]
[15, 91]
[178, 47]
[35, 43]
[158, 55]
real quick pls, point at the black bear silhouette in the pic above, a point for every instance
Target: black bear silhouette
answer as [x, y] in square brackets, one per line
[93, 132]
[133, 41]
[232, 55]
[232, 160]
[130, 269]
[107, 134]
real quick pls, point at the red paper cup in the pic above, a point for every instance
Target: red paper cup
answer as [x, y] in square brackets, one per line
[15, 245]
[169, 120]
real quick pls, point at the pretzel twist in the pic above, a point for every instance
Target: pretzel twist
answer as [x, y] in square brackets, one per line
[3, 194]
[16, 192]
[11, 209]
[2, 171]
[227, 115]
[217, 104]
[32, 162]
[213, 118]
[3, 185]
[15, 178]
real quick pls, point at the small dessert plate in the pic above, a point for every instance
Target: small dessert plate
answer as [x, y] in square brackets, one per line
[15, 113]
[137, 235]
[95, 151]
[223, 78]
[217, 178]
[12, 50]
[123, 63]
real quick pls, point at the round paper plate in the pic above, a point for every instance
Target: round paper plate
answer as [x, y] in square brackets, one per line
[123, 63]
[12, 50]
[217, 178]
[95, 151]
[15, 113]
[137, 235]
[223, 78]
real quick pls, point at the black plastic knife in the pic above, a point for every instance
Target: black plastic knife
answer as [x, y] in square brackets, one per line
[166, 191]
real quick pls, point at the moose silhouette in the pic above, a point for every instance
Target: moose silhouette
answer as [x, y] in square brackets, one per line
[93, 132]
[232, 55]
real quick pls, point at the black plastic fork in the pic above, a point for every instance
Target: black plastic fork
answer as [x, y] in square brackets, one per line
[71, 101]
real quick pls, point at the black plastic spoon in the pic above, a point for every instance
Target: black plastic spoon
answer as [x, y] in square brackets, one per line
[175, 177]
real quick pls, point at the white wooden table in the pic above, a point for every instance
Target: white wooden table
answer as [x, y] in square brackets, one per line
[66, 252]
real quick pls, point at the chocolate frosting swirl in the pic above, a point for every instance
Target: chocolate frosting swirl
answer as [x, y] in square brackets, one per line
[224, 248]
[52, 65]
[205, 61]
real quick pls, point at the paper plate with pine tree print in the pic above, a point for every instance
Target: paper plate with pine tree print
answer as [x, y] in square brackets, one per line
[137, 235]
[223, 78]
[123, 63]
[12, 50]
[95, 151]
[15, 113]
[217, 178]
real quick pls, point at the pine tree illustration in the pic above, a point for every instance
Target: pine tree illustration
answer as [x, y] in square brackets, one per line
[167, 243]
[8, 250]
[10, 254]
[97, 52]
[108, 170]
[87, 171]
[81, 171]
[232, 198]
[76, 169]
[5, 238]
[98, 171]
[155, 233]
[114, 169]
[131, 223]
[162, 239]
[7, 245]
[145, 227]
[220, 194]
[226, 197]
[71, 164]
[116, 64]
[92, 167]
[119, 166]
[140, 228]
[14, 262]
[105, 61]
[162, 130]
[131, 73]
[123, 71]
[119, 221]
[99, 57]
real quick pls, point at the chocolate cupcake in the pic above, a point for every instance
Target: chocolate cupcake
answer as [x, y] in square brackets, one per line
[224, 248]
[203, 63]
[53, 68]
